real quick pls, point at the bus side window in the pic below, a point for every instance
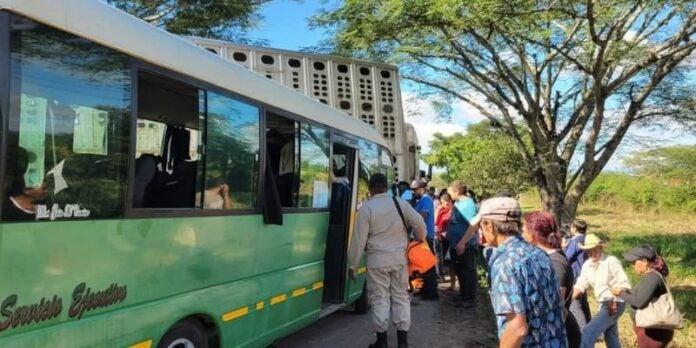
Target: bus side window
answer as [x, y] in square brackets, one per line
[314, 167]
[232, 154]
[282, 157]
[167, 166]
[69, 126]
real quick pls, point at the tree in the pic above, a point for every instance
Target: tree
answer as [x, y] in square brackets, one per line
[485, 158]
[675, 163]
[221, 19]
[577, 74]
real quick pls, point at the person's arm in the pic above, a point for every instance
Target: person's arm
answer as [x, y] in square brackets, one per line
[515, 331]
[507, 299]
[640, 295]
[581, 284]
[359, 241]
[414, 220]
[470, 232]
[226, 198]
[571, 251]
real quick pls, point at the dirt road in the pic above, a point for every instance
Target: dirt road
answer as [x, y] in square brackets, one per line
[434, 324]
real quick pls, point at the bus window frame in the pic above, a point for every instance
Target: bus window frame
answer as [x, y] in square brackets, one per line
[4, 96]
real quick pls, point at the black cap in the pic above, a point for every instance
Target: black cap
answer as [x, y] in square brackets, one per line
[640, 252]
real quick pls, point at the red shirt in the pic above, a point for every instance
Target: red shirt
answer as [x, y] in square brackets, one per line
[442, 219]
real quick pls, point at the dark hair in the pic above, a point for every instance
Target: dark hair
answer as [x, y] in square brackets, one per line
[507, 228]
[660, 265]
[16, 183]
[543, 225]
[442, 192]
[580, 225]
[378, 181]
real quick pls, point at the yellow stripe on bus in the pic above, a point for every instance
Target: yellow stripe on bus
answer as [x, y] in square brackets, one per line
[259, 305]
[361, 270]
[143, 344]
[318, 285]
[298, 292]
[278, 299]
[229, 316]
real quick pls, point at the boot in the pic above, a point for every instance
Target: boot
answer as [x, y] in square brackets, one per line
[381, 341]
[402, 338]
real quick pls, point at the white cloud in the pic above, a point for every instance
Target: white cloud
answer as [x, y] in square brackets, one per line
[425, 121]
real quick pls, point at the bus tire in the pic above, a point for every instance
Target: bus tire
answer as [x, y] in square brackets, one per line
[361, 305]
[185, 334]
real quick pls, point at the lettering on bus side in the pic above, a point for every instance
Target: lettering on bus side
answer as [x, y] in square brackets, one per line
[25, 315]
[84, 300]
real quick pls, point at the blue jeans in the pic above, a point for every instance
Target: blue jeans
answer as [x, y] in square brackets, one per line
[603, 323]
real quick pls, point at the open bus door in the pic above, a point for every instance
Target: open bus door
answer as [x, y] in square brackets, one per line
[336, 255]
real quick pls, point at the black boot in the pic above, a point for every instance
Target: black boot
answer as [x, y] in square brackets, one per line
[381, 341]
[402, 338]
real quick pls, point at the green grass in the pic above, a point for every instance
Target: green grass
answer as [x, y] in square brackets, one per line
[673, 235]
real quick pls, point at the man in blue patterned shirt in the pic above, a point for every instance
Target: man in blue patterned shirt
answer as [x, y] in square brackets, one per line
[524, 290]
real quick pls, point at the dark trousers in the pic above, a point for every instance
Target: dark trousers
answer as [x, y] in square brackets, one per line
[465, 268]
[580, 309]
[429, 289]
[572, 331]
[652, 338]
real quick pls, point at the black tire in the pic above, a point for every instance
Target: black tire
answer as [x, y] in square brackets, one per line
[361, 305]
[184, 334]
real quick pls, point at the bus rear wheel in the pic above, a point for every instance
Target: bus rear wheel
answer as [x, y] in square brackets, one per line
[185, 334]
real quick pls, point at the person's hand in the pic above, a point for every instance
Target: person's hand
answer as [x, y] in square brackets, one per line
[612, 307]
[617, 291]
[224, 189]
[351, 274]
[460, 248]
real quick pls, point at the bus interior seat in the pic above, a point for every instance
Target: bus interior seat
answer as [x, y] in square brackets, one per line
[175, 183]
[145, 170]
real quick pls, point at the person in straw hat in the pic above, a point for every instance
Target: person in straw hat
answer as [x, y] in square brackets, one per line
[601, 272]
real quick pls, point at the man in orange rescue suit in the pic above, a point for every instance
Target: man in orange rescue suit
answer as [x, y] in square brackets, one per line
[381, 234]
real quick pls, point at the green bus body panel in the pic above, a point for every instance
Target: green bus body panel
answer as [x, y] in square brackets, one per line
[172, 268]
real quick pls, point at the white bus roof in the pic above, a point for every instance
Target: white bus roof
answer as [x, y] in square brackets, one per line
[110, 27]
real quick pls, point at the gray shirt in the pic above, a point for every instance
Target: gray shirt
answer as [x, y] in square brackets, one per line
[380, 233]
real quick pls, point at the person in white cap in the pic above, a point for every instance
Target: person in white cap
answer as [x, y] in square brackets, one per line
[524, 290]
[601, 272]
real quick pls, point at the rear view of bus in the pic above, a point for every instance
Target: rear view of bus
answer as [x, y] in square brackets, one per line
[154, 194]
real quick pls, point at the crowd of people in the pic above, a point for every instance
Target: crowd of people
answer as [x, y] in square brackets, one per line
[539, 277]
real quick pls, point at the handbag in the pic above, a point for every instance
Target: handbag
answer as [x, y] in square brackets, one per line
[660, 313]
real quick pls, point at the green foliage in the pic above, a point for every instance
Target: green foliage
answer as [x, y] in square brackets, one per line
[485, 158]
[220, 19]
[642, 193]
[676, 163]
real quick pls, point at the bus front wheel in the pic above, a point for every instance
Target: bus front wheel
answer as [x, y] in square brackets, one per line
[185, 334]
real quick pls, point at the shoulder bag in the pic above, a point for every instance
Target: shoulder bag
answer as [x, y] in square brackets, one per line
[661, 313]
[420, 258]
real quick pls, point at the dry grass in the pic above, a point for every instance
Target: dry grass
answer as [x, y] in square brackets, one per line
[672, 234]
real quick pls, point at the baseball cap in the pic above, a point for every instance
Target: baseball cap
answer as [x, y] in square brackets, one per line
[418, 184]
[499, 209]
[640, 252]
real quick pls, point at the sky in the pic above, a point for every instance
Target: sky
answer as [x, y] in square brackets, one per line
[285, 26]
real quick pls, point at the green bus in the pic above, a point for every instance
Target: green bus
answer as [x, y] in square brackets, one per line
[157, 195]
